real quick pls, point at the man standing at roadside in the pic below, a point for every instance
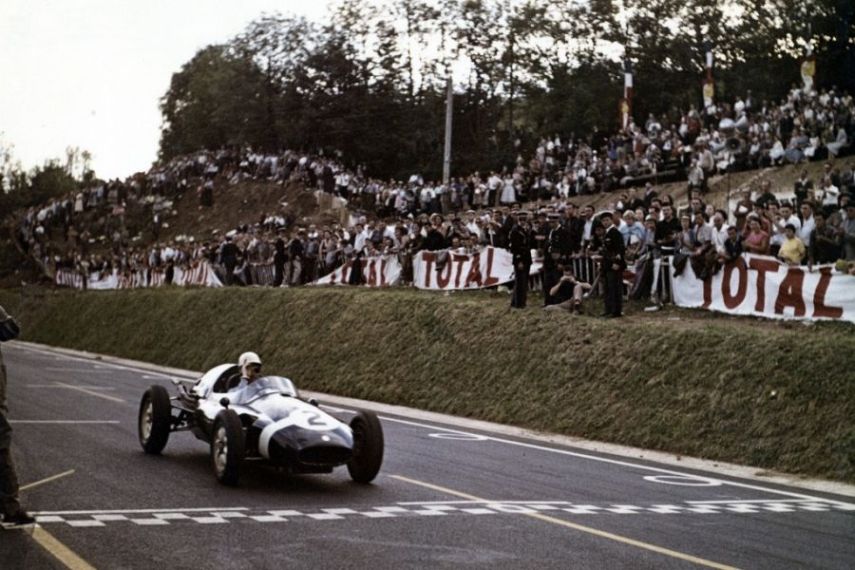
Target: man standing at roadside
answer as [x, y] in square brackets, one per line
[614, 263]
[13, 515]
[520, 247]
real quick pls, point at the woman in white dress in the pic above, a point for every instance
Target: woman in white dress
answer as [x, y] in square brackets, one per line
[509, 195]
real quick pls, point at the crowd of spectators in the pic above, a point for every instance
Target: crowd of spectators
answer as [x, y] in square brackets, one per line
[100, 226]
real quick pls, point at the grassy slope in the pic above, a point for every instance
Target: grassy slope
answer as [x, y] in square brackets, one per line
[680, 381]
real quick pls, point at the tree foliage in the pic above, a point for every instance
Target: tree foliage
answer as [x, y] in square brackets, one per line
[370, 82]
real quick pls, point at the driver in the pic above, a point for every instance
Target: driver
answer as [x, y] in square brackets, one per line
[250, 370]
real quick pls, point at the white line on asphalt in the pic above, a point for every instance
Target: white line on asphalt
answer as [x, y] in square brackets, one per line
[81, 370]
[471, 502]
[735, 501]
[46, 480]
[56, 385]
[64, 421]
[141, 511]
[92, 393]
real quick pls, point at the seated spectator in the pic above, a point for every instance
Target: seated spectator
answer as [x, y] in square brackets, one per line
[824, 242]
[732, 246]
[567, 294]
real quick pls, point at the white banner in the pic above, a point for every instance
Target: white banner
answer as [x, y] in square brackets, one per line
[764, 287]
[378, 271]
[200, 275]
[445, 270]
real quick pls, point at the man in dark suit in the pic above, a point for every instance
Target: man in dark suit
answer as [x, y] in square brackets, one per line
[575, 227]
[10, 507]
[614, 262]
[520, 247]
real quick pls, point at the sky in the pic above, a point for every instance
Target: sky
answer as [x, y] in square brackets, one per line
[90, 73]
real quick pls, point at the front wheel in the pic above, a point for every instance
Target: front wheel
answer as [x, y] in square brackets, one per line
[155, 419]
[227, 447]
[367, 455]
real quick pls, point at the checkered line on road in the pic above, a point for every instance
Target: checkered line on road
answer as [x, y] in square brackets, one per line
[214, 517]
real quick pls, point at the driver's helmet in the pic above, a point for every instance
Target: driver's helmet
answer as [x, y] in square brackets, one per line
[248, 359]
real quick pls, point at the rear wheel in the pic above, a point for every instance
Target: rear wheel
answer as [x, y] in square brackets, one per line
[155, 419]
[227, 447]
[367, 447]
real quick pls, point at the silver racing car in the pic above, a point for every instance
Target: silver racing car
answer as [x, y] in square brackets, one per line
[265, 421]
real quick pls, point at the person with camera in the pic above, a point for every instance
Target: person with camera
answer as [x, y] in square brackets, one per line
[14, 515]
[567, 293]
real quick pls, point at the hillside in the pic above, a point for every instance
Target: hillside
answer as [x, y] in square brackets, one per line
[775, 395]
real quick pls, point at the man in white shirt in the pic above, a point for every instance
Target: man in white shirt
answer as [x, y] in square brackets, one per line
[808, 224]
[719, 231]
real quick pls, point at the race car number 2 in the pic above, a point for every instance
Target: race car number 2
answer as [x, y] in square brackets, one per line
[310, 419]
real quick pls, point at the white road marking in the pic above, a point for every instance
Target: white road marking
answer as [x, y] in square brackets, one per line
[64, 422]
[56, 385]
[139, 511]
[46, 480]
[237, 515]
[93, 393]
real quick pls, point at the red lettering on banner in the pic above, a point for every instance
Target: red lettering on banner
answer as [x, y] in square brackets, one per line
[443, 276]
[790, 292]
[707, 293]
[732, 301]
[383, 272]
[460, 259]
[762, 266]
[490, 280]
[820, 309]
[474, 275]
[428, 259]
[372, 273]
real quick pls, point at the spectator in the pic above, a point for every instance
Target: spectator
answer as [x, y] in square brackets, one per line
[824, 243]
[13, 514]
[566, 295]
[793, 250]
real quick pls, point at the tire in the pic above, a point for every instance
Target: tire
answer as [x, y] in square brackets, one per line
[227, 447]
[154, 420]
[367, 447]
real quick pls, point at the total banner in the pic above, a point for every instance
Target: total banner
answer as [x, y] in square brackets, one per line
[200, 275]
[447, 270]
[764, 287]
[378, 271]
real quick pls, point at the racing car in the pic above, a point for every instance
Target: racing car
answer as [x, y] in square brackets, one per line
[265, 421]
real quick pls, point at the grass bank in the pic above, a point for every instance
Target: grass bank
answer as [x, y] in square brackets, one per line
[774, 395]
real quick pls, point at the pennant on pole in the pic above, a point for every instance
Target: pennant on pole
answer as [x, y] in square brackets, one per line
[808, 71]
[625, 105]
[709, 83]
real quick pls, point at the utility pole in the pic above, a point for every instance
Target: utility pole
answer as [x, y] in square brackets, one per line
[449, 106]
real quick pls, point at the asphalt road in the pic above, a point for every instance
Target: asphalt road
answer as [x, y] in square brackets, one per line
[446, 498]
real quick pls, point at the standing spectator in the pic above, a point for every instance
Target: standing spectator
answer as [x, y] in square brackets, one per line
[824, 243]
[229, 258]
[848, 231]
[13, 514]
[520, 248]
[614, 262]
[757, 241]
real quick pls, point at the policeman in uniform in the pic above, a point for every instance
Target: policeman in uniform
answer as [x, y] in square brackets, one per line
[557, 252]
[13, 515]
[520, 242]
[614, 262]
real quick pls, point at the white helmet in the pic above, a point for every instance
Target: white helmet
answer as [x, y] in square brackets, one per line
[248, 358]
